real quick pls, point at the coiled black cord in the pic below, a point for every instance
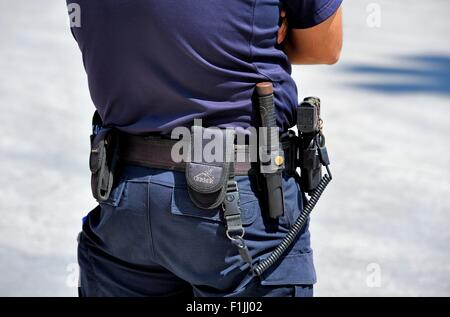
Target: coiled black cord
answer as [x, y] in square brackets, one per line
[296, 227]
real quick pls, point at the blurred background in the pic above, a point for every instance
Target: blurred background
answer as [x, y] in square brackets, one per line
[381, 229]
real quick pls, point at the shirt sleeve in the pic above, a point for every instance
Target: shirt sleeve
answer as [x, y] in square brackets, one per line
[303, 14]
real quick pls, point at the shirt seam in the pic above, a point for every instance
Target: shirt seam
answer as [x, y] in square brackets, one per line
[325, 6]
[318, 14]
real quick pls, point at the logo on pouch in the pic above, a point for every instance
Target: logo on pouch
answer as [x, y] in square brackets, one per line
[205, 177]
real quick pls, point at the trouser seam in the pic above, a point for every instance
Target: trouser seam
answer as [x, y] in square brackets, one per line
[151, 241]
[93, 275]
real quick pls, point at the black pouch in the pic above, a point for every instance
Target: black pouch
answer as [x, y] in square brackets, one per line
[103, 161]
[206, 179]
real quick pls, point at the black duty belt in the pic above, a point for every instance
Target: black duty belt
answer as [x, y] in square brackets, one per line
[211, 184]
[155, 152]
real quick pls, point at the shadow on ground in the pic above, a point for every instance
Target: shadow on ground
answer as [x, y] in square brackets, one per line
[425, 74]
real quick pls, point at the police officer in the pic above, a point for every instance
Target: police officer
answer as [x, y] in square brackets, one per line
[155, 65]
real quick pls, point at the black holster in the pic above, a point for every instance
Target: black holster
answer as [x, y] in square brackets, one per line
[313, 153]
[104, 158]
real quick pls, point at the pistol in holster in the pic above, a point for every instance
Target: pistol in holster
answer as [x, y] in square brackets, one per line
[312, 152]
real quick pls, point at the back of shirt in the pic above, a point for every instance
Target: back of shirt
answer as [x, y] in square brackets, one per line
[153, 65]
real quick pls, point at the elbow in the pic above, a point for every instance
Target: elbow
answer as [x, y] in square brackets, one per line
[322, 59]
[334, 53]
[333, 58]
[325, 56]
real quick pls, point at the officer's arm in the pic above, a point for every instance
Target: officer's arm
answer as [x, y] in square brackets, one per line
[320, 44]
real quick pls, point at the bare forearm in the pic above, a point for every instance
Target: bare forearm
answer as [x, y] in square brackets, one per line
[321, 44]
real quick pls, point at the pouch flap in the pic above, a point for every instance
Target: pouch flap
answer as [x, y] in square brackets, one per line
[210, 165]
[206, 178]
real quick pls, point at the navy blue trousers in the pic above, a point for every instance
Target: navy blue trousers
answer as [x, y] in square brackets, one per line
[149, 239]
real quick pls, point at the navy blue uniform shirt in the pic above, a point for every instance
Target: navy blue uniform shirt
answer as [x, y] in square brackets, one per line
[153, 65]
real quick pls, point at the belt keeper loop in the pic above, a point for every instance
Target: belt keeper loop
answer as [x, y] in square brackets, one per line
[232, 211]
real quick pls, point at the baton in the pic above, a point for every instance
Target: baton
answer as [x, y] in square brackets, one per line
[272, 164]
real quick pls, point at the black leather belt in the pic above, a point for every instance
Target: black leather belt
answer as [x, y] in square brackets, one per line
[155, 152]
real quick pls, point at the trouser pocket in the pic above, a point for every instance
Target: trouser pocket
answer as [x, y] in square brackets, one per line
[294, 269]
